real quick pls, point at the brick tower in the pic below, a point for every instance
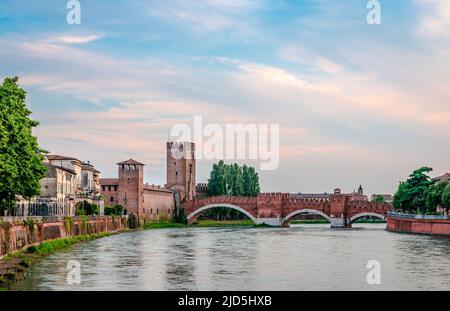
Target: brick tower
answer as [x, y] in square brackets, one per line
[131, 181]
[181, 169]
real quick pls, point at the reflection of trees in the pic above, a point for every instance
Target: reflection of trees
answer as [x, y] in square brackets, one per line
[180, 258]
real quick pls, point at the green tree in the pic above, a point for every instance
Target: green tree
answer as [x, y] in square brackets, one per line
[116, 210]
[21, 159]
[435, 196]
[87, 209]
[445, 200]
[379, 199]
[411, 195]
[231, 180]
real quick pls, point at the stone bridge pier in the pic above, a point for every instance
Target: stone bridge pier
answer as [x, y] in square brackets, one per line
[277, 209]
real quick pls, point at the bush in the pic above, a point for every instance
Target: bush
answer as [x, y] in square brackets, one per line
[87, 209]
[116, 210]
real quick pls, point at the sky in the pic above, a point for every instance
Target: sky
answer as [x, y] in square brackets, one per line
[356, 103]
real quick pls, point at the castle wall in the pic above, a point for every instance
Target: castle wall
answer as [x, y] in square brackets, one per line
[158, 204]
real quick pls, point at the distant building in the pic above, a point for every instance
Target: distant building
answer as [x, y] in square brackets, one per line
[149, 201]
[446, 177]
[68, 182]
[201, 190]
[355, 196]
[358, 196]
[388, 198]
[181, 168]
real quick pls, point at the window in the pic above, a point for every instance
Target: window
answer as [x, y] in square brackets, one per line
[157, 211]
[151, 211]
[103, 188]
[115, 188]
[169, 211]
[112, 199]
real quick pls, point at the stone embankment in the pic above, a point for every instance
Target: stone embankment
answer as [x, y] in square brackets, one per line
[17, 233]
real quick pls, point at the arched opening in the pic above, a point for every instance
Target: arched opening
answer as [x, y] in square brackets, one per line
[221, 214]
[368, 218]
[312, 217]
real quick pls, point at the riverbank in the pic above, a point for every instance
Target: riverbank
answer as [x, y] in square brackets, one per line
[14, 266]
[201, 223]
[422, 224]
[324, 221]
[23, 240]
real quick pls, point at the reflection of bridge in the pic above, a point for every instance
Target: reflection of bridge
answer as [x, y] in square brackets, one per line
[276, 209]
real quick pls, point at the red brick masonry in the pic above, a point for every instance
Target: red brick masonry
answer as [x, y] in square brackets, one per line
[17, 233]
[425, 224]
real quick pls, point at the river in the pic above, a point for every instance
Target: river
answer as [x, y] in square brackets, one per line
[304, 257]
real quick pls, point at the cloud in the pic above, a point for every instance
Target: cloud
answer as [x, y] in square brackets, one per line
[210, 15]
[301, 55]
[70, 39]
[434, 18]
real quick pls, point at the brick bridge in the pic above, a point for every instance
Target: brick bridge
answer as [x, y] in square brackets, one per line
[276, 209]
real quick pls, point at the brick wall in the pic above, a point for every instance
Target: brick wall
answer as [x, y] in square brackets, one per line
[17, 233]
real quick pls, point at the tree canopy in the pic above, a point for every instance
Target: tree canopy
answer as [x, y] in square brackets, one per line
[21, 159]
[419, 194]
[232, 179]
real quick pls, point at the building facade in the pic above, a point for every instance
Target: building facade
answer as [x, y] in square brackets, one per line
[129, 190]
[68, 182]
[181, 168]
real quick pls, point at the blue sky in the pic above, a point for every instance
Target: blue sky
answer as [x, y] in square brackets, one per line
[356, 103]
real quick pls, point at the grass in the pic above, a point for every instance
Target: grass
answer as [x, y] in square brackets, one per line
[13, 266]
[161, 225]
[315, 221]
[324, 221]
[223, 223]
[200, 223]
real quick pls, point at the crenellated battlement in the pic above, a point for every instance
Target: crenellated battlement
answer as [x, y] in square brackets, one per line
[277, 205]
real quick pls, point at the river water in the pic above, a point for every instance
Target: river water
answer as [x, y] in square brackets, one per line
[305, 257]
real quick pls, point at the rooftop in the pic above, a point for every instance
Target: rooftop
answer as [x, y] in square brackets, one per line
[51, 157]
[131, 161]
[446, 176]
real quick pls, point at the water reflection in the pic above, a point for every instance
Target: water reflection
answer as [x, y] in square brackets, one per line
[179, 260]
[297, 258]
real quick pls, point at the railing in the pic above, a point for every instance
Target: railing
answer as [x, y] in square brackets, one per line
[40, 209]
[418, 216]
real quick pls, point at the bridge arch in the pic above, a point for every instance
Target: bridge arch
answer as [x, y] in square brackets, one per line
[365, 214]
[306, 211]
[210, 206]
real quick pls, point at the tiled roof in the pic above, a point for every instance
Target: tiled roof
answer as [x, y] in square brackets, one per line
[61, 168]
[443, 177]
[131, 161]
[59, 157]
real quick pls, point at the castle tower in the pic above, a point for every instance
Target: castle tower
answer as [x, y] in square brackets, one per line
[360, 190]
[131, 181]
[181, 169]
